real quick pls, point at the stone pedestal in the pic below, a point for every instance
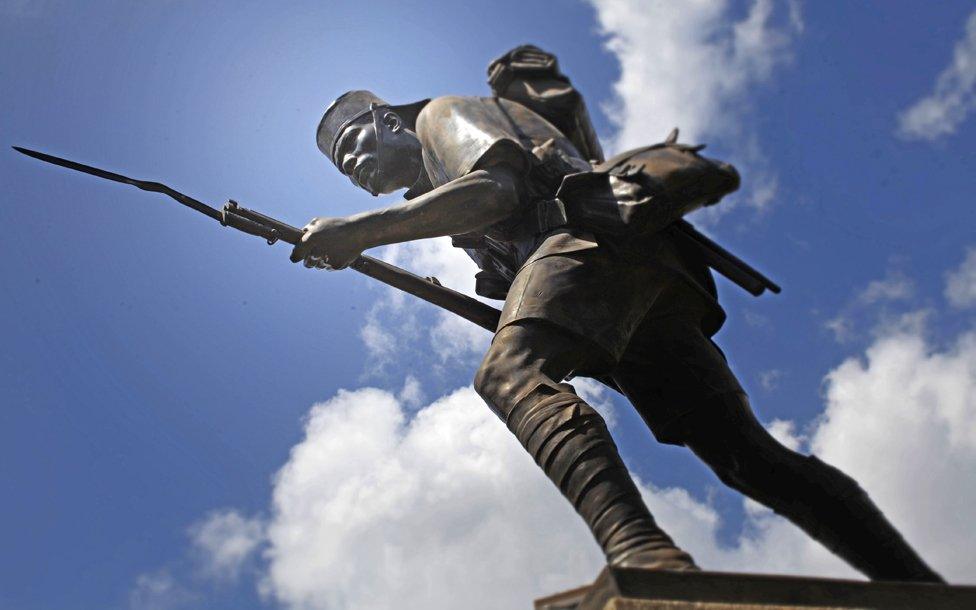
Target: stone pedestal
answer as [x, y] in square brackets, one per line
[629, 589]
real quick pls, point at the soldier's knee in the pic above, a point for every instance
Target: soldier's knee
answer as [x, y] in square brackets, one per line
[723, 463]
[497, 377]
[748, 463]
[521, 358]
[485, 383]
[744, 471]
[830, 479]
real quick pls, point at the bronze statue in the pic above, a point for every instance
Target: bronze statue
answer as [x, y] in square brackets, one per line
[598, 279]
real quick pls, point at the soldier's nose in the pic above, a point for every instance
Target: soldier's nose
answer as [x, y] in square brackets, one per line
[348, 164]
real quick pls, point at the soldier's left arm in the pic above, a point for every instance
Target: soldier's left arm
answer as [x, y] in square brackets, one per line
[471, 202]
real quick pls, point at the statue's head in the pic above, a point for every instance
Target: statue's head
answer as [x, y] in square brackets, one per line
[372, 141]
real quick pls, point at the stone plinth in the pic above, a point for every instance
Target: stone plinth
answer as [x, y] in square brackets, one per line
[629, 589]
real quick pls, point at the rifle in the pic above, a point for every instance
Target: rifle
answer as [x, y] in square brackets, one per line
[721, 260]
[272, 231]
[428, 289]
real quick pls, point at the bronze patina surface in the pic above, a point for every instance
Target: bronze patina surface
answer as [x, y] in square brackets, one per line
[597, 281]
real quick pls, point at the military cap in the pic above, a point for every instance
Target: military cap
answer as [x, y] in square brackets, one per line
[351, 106]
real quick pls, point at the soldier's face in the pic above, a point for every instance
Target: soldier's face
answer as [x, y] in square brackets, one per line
[379, 163]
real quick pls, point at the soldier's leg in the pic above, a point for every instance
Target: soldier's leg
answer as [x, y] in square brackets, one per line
[827, 504]
[679, 382]
[521, 379]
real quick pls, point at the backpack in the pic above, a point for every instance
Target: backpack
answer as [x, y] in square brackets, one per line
[634, 194]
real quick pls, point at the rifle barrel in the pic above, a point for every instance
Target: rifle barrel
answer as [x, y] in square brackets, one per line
[726, 263]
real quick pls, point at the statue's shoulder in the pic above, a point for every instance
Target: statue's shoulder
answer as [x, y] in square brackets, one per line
[439, 104]
[459, 133]
[485, 119]
[447, 106]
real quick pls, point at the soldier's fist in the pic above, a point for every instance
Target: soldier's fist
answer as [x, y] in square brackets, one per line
[326, 244]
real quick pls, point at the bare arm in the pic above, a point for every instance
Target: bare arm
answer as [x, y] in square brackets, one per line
[469, 203]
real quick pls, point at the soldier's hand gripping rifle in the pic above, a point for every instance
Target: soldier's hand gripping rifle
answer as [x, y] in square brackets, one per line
[272, 231]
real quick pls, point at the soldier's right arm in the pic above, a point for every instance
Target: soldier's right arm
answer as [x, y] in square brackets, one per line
[469, 203]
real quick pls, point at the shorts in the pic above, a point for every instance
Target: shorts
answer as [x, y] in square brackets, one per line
[670, 368]
[575, 283]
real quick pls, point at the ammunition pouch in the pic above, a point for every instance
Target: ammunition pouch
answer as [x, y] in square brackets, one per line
[496, 259]
[642, 191]
[499, 260]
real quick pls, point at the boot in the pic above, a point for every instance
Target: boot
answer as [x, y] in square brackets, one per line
[841, 516]
[570, 442]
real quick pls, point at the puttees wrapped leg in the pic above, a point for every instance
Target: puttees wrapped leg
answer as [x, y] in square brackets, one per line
[570, 442]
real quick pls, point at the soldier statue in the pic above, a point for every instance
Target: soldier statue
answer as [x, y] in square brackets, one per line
[596, 283]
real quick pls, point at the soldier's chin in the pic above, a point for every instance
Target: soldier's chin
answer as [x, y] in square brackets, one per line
[367, 186]
[375, 184]
[384, 189]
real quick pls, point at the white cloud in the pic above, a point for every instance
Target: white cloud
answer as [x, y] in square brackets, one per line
[453, 268]
[902, 421]
[895, 286]
[392, 327]
[379, 341]
[438, 258]
[954, 97]
[688, 64]
[685, 64]
[599, 396]
[159, 591]
[756, 319]
[769, 380]
[373, 510]
[960, 288]
[412, 393]
[842, 328]
[225, 540]
[375, 507]
[455, 339]
[894, 289]
[796, 16]
[785, 432]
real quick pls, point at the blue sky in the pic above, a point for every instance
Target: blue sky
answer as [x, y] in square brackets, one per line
[158, 371]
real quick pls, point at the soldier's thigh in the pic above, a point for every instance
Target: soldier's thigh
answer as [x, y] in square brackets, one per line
[525, 355]
[734, 444]
[670, 371]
